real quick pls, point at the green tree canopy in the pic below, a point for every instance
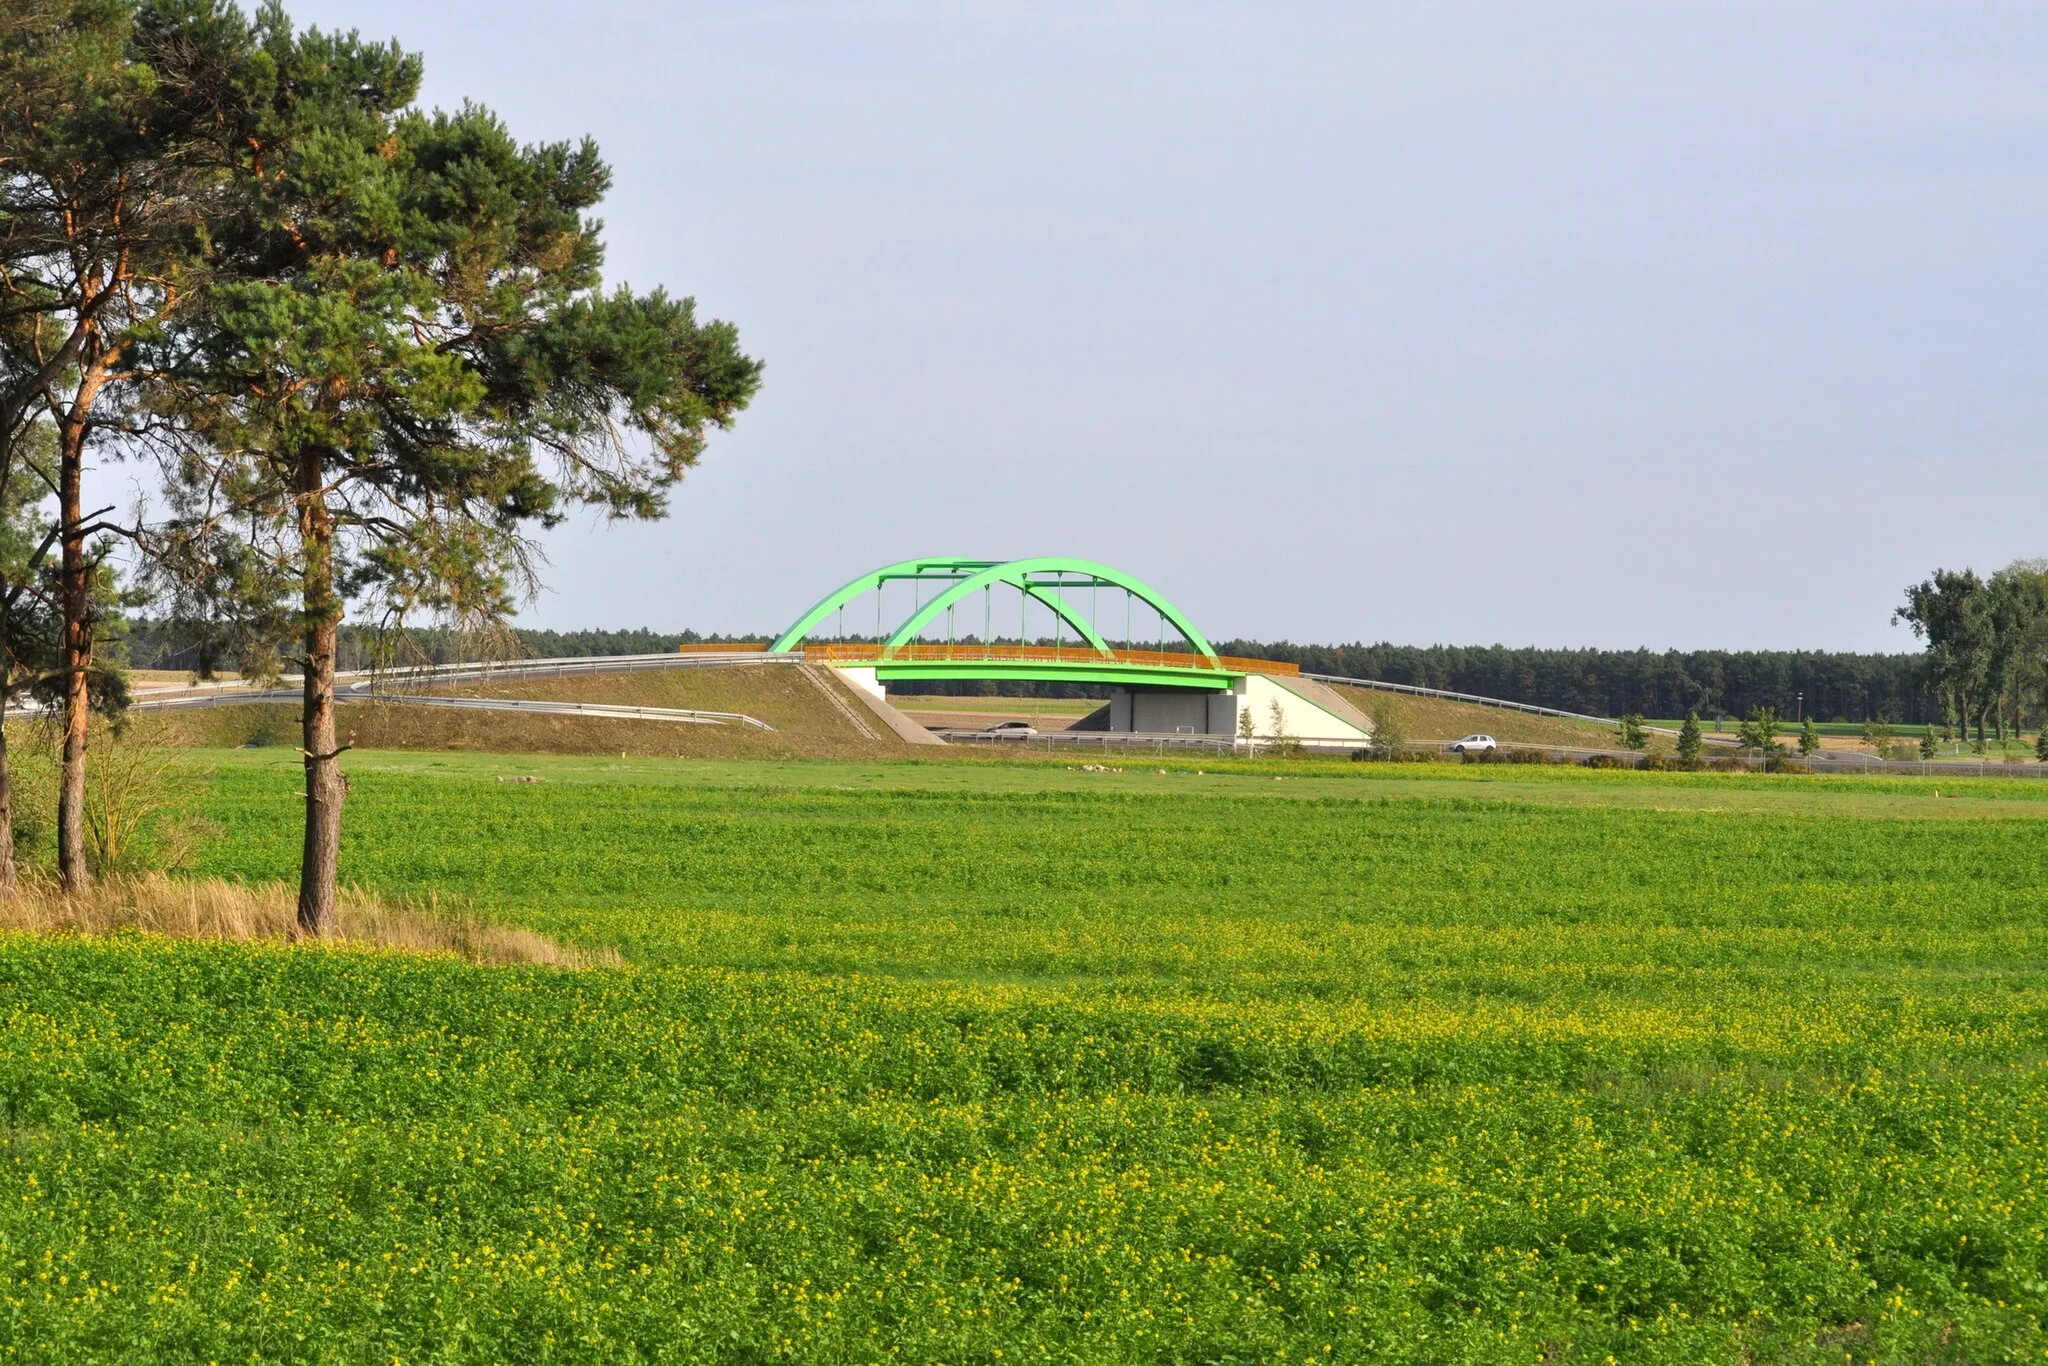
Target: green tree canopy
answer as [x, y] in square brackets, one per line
[1951, 611]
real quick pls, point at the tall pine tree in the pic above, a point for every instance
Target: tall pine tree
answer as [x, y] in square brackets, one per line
[110, 165]
[401, 359]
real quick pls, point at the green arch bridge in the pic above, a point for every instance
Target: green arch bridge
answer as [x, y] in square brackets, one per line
[963, 604]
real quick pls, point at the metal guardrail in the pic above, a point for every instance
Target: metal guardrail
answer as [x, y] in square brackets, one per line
[1528, 707]
[388, 686]
[254, 696]
[1162, 743]
[1098, 739]
[596, 709]
[1234, 743]
[392, 679]
[556, 668]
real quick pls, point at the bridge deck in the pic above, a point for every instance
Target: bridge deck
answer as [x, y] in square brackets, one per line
[1078, 663]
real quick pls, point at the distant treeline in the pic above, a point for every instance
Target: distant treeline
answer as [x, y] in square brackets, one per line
[154, 645]
[1838, 687]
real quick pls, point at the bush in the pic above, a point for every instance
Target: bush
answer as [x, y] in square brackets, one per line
[1779, 764]
[1633, 736]
[1604, 761]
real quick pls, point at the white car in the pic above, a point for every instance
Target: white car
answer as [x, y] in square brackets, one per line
[1472, 744]
[1011, 730]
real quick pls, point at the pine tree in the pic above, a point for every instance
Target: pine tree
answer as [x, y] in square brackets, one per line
[1689, 739]
[111, 152]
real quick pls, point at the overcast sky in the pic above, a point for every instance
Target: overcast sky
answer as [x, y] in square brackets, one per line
[1571, 324]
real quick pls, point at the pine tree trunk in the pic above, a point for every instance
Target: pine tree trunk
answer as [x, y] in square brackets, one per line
[7, 887]
[326, 788]
[76, 594]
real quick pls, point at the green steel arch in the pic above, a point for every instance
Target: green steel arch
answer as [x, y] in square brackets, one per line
[1043, 579]
[1030, 576]
[902, 569]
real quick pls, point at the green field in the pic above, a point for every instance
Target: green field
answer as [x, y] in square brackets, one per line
[994, 1062]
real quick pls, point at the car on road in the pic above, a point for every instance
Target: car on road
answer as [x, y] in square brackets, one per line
[1472, 744]
[1011, 730]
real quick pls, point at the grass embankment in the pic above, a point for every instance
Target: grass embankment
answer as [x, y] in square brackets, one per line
[1437, 718]
[805, 720]
[951, 1062]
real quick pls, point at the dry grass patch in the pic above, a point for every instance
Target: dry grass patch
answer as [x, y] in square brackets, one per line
[213, 908]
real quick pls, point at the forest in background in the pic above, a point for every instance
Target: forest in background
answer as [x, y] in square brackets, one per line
[1715, 683]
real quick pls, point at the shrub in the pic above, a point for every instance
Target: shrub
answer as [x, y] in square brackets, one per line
[1633, 736]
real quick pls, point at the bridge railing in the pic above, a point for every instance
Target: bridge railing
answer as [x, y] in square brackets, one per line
[930, 652]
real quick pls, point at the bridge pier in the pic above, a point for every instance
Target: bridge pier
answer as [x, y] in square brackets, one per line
[1172, 711]
[1302, 709]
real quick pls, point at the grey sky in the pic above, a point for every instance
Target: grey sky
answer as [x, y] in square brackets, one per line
[1608, 324]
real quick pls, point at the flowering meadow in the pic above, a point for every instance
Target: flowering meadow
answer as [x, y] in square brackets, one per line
[1204, 1071]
